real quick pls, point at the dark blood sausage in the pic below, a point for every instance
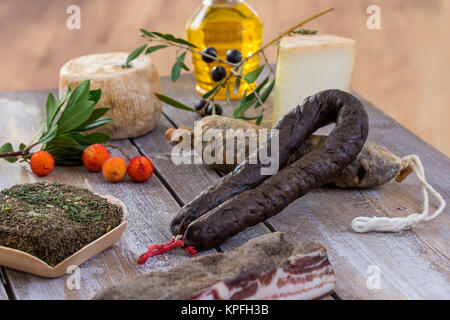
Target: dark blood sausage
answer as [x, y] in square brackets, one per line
[294, 128]
[292, 132]
[313, 170]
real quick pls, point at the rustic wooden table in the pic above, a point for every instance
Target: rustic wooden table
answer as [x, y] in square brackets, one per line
[412, 264]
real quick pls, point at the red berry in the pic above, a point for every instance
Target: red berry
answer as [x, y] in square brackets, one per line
[114, 169]
[140, 169]
[95, 156]
[42, 163]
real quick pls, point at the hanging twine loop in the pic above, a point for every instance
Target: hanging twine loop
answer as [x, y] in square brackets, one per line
[157, 249]
[385, 224]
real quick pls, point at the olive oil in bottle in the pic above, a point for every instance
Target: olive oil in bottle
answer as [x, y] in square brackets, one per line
[224, 25]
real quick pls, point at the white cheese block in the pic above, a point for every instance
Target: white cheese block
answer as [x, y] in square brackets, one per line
[308, 64]
[129, 92]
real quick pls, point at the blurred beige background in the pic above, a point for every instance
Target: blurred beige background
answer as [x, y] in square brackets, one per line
[403, 68]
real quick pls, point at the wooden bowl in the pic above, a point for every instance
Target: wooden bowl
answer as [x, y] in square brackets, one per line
[22, 261]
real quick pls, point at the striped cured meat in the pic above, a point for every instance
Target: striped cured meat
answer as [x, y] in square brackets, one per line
[268, 267]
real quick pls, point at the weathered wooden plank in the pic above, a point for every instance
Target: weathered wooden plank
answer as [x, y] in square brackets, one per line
[150, 207]
[407, 196]
[413, 264]
[3, 294]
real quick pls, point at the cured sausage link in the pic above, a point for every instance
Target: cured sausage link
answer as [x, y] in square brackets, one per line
[309, 172]
[294, 128]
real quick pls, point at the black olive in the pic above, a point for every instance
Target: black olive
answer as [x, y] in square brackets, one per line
[211, 52]
[209, 109]
[234, 56]
[218, 73]
[200, 104]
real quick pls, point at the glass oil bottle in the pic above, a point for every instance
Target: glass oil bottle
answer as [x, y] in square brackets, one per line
[224, 25]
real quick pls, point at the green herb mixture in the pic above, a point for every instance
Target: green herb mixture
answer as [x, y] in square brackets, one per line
[53, 221]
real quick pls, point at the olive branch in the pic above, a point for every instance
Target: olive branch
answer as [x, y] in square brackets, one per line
[63, 137]
[255, 97]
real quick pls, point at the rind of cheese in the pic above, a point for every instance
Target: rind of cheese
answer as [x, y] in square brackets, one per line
[308, 64]
[129, 92]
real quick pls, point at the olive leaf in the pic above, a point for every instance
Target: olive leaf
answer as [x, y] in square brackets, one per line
[147, 33]
[258, 118]
[253, 75]
[244, 104]
[210, 92]
[266, 91]
[180, 61]
[155, 48]
[258, 89]
[182, 41]
[251, 118]
[304, 31]
[227, 94]
[239, 111]
[237, 83]
[176, 72]
[179, 64]
[173, 102]
[158, 34]
[133, 55]
[169, 37]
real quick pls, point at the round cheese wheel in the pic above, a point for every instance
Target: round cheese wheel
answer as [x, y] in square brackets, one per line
[129, 92]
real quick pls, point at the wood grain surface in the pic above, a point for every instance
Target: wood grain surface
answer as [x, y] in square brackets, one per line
[413, 264]
[3, 294]
[403, 68]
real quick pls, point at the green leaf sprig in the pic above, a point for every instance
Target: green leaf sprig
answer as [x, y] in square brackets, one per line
[61, 134]
[259, 93]
[304, 31]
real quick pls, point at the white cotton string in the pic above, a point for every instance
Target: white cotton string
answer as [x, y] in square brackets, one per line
[385, 224]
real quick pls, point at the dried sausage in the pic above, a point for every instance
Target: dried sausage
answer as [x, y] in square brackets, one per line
[245, 197]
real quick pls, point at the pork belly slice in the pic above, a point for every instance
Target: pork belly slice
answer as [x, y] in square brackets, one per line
[267, 267]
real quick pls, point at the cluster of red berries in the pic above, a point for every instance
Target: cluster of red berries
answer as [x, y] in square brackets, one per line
[97, 158]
